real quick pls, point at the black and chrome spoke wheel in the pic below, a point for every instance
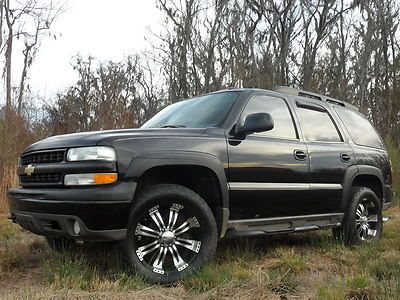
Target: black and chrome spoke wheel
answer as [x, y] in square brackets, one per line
[363, 219]
[167, 238]
[366, 220]
[171, 233]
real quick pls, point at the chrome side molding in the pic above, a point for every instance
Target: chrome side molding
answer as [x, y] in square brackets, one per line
[277, 186]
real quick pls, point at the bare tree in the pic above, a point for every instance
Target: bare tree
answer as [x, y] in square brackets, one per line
[285, 19]
[43, 18]
[127, 87]
[364, 46]
[318, 20]
[346, 49]
[2, 3]
[181, 16]
[10, 21]
[19, 20]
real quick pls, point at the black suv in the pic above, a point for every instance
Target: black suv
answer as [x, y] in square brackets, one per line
[239, 162]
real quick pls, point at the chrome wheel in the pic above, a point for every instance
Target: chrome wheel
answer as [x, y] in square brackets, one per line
[167, 238]
[362, 222]
[366, 220]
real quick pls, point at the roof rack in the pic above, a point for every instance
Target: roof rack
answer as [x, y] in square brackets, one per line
[296, 92]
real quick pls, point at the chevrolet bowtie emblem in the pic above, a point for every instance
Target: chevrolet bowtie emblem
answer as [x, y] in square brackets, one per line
[29, 170]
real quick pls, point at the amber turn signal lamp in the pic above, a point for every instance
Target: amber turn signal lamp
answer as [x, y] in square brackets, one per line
[105, 178]
[90, 179]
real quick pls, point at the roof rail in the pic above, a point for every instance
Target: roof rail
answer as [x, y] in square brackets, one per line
[296, 92]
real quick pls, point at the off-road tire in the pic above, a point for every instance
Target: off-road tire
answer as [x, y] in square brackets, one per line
[162, 200]
[362, 226]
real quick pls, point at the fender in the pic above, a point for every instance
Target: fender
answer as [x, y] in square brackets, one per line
[354, 171]
[140, 164]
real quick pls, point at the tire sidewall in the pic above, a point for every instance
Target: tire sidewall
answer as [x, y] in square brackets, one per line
[180, 195]
[350, 229]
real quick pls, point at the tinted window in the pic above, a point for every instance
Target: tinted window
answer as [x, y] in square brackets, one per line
[359, 128]
[200, 112]
[278, 109]
[317, 126]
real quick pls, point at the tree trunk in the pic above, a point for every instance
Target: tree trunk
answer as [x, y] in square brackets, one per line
[8, 59]
[23, 77]
[1, 22]
[8, 65]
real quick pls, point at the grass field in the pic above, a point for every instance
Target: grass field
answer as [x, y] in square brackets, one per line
[296, 266]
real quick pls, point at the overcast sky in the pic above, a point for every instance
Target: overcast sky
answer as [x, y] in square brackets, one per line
[107, 30]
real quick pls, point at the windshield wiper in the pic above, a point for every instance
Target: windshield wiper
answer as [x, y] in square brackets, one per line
[173, 126]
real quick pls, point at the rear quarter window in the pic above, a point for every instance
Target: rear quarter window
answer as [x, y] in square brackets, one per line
[360, 129]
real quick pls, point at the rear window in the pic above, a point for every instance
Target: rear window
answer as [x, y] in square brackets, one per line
[359, 128]
[318, 126]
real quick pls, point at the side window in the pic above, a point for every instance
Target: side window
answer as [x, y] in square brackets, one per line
[359, 128]
[317, 126]
[278, 109]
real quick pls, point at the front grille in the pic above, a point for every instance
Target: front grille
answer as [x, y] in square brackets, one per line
[40, 178]
[43, 157]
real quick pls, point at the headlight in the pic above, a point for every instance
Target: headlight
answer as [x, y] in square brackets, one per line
[91, 153]
[90, 179]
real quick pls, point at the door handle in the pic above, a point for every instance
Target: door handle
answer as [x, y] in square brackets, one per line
[345, 157]
[299, 154]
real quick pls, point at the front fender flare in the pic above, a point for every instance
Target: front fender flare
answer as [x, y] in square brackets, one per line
[140, 164]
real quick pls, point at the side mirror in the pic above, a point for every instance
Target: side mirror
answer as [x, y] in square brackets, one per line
[257, 122]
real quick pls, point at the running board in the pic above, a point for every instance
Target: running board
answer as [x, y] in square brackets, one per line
[255, 227]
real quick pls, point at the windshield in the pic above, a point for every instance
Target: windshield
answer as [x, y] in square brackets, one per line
[200, 112]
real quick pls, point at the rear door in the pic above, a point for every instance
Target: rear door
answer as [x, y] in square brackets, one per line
[329, 154]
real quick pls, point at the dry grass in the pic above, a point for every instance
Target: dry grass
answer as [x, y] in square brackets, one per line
[296, 266]
[8, 175]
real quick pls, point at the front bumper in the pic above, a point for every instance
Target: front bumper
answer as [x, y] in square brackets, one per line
[53, 225]
[101, 212]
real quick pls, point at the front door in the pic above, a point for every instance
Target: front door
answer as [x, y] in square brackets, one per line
[268, 171]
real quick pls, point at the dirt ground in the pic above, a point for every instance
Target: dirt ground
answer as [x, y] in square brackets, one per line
[295, 266]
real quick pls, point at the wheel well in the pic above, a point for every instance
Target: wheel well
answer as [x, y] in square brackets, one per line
[199, 179]
[372, 182]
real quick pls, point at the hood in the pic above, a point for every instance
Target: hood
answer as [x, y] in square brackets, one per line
[92, 138]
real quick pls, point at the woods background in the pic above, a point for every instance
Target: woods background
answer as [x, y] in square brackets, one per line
[346, 49]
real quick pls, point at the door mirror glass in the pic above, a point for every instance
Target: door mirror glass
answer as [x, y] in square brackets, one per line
[257, 122]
